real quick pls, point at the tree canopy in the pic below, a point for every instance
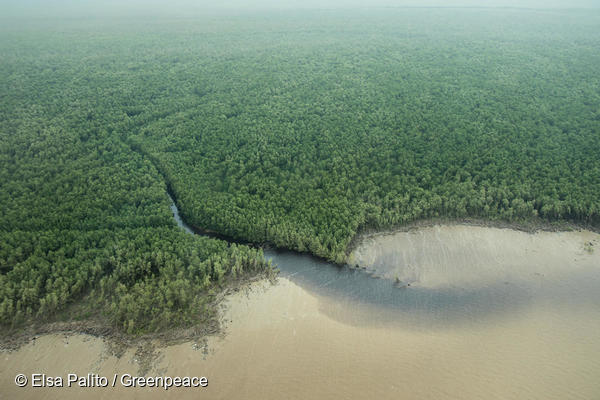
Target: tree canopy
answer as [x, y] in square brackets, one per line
[295, 129]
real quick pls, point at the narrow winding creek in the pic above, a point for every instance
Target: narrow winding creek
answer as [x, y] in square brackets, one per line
[442, 312]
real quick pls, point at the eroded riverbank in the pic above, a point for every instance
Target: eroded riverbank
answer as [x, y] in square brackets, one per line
[490, 313]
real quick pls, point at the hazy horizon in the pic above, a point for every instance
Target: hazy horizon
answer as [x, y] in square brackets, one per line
[73, 8]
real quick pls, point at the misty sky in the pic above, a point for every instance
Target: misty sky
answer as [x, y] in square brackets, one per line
[112, 7]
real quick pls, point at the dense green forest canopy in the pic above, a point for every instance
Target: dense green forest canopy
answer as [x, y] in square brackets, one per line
[298, 129]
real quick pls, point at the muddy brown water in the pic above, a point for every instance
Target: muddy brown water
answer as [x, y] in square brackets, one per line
[489, 313]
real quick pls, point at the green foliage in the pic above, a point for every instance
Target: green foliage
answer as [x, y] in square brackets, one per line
[303, 138]
[299, 130]
[85, 218]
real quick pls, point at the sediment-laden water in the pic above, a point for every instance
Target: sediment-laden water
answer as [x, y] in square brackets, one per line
[489, 313]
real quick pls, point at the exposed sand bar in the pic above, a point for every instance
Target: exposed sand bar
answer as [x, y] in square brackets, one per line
[468, 256]
[288, 341]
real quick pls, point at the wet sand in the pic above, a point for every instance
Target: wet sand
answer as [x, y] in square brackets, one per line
[290, 341]
[469, 256]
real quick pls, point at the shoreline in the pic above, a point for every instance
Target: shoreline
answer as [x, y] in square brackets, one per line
[530, 226]
[119, 341]
[15, 338]
[481, 297]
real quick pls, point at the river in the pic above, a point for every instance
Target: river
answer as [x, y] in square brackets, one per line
[441, 312]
